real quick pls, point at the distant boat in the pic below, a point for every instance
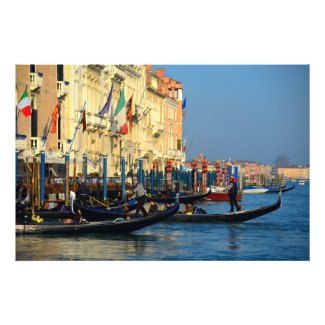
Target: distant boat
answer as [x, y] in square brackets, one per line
[301, 182]
[217, 194]
[252, 189]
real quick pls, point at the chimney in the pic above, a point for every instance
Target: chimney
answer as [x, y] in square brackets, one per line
[149, 67]
[160, 72]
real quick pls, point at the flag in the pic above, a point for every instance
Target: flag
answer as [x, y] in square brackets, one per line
[184, 145]
[55, 114]
[129, 110]
[184, 103]
[24, 104]
[83, 120]
[120, 113]
[108, 102]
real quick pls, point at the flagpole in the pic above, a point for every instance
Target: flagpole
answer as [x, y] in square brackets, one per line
[48, 131]
[75, 131]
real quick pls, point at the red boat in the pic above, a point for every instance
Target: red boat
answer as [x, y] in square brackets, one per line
[217, 194]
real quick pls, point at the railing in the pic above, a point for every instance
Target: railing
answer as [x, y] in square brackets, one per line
[21, 144]
[62, 88]
[36, 80]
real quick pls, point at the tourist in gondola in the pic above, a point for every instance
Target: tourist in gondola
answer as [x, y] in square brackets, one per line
[141, 195]
[22, 197]
[153, 207]
[232, 190]
[83, 193]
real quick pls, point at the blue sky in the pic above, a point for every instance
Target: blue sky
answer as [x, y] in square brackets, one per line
[249, 112]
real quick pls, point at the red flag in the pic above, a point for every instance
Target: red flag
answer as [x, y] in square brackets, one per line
[55, 115]
[129, 110]
[83, 121]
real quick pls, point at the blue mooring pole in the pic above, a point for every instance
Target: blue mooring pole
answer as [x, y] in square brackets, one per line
[84, 157]
[140, 180]
[123, 177]
[105, 178]
[42, 180]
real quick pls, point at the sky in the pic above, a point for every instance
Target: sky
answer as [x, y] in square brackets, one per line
[245, 112]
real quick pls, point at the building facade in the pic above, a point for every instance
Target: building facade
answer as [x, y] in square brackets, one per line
[154, 117]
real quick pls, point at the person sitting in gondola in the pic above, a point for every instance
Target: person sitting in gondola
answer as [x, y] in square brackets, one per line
[141, 195]
[232, 190]
[153, 207]
[188, 208]
[83, 193]
[22, 196]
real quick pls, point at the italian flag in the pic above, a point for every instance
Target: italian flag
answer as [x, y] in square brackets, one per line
[120, 114]
[24, 104]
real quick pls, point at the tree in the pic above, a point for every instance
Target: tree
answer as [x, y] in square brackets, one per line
[281, 161]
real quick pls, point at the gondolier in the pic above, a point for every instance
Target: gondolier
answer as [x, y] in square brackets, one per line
[232, 190]
[141, 194]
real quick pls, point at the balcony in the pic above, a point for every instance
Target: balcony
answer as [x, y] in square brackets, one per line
[174, 154]
[62, 88]
[36, 81]
[21, 142]
[118, 73]
[157, 129]
[36, 146]
[64, 146]
[99, 123]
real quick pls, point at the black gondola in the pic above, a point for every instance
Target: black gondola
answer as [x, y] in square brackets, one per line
[277, 190]
[182, 198]
[119, 225]
[91, 213]
[234, 217]
[100, 213]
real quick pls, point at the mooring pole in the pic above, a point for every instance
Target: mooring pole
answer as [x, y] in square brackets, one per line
[105, 178]
[66, 183]
[84, 158]
[42, 185]
[123, 177]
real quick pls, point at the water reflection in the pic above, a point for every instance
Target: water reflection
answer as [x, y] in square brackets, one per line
[233, 238]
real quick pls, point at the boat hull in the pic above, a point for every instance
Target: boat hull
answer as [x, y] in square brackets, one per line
[235, 217]
[116, 226]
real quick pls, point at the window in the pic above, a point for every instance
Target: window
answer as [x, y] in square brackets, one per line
[32, 68]
[59, 70]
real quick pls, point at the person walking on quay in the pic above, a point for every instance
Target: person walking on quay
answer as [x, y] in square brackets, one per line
[141, 195]
[232, 190]
[83, 193]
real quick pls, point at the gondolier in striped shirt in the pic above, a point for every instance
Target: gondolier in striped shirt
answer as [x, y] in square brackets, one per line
[141, 195]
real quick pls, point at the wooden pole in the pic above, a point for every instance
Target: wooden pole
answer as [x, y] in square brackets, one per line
[33, 184]
[37, 184]
[26, 166]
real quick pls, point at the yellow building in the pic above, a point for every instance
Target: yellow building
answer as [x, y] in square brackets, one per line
[298, 172]
[156, 109]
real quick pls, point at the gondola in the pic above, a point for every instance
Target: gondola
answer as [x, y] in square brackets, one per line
[277, 190]
[182, 198]
[119, 225]
[234, 217]
[101, 213]
[91, 213]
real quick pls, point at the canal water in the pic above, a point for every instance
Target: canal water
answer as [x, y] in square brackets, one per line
[282, 235]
